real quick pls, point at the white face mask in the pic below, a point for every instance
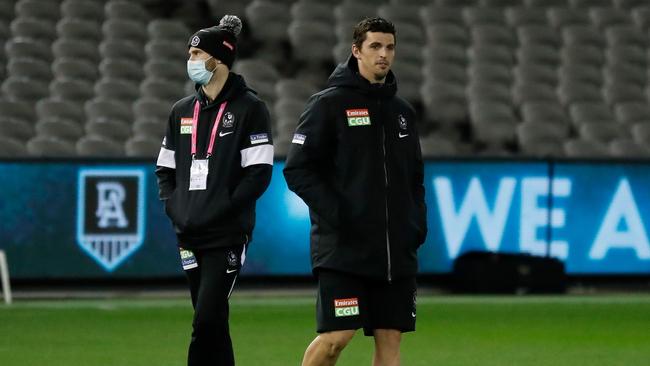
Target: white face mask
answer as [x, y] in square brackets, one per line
[197, 71]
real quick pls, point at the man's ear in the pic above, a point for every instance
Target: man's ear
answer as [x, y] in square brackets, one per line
[355, 51]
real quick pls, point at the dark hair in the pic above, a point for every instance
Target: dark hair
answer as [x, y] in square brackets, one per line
[375, 24]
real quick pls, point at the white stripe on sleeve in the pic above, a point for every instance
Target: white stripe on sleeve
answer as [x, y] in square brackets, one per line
[166, 158]
[262, 154]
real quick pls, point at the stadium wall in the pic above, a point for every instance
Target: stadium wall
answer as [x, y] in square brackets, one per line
[101, 219]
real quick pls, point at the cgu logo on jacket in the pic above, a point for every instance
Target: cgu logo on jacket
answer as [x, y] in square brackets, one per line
[110, 214]
[358, 117]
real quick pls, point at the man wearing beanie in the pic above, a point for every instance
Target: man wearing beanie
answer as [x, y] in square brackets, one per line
[215, 162]
[355, 160]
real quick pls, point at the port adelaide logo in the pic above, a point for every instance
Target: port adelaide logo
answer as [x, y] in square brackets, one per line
[110, 214]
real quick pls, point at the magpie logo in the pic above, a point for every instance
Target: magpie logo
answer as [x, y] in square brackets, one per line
[110, 214]
[195, 41]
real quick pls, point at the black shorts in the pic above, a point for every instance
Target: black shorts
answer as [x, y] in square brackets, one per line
[348, 302]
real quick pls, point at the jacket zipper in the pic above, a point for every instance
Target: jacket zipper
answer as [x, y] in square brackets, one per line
[383, 134]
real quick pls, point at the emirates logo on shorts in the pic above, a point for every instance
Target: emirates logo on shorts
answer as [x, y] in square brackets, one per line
[346, 307]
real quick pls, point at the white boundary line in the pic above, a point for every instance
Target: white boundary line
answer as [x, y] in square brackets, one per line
[4, 276]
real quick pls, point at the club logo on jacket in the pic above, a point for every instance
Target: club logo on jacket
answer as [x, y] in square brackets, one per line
[358, 117]
[186, 126]
[228, 120]
[110, 214]
[402, 122]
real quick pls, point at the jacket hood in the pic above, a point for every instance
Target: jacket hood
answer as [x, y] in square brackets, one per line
[234, 87]
[346, 75]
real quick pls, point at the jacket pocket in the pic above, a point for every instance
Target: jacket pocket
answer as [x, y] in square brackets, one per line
[171, 209]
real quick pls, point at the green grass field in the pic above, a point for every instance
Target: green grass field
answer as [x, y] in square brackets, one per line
[452, 330]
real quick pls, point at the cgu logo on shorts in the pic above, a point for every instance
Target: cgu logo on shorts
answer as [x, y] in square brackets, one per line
[358, 117]
[110, 214]
[346, 307]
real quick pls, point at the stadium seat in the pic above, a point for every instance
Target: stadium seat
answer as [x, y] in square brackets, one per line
[533, 92]
[116, 89]
[485, 16]
[98, 146]
[641, 17]
[581, 74]
[432, 15]
[537, 54]
[543, 35]
[447, 33]
[620, 55]
[12, 148]
[311, 41]
[288, 110]
[626, 35]
[560, 17]
[489, 92]
[627, 148]
[604, 17]
[120, 9]
[399, 13]
[75, 28]
[582, 55]
[61, 129]
[489, 73]
[540, 139]
[172, 51]
[452, 53]
[630, 113]
[440, 71]
[73, 48]
[499, 3]
[114, 48]
[16, 128]
[312, 11]
[434, 146]
[579, 148]
[294, 89]
[24, 67]
[630, 4]
[625, 74]
[641, 133]
[444, 103]
[602, 132]
[7, 12]
[491, 35]
[165, 90]
[83, 9]
[125, 69]
[163, 69]
[50, 146]
[621, 93]
[409, 78]
[500, 55]
[59, 109]
[41, 10]
[520, 16]
[591, 112]
[536, 73]
[24, 89]
[546, 112]
[33, 29]
[128, 30]
[17, 109]
[546, 3]
[348, 14]
[142, 146]
[590, 3]
[152, 108]
[260, 76]
[150, 127]
[269, 20]
[582, 35]
[109, 129]
[168, 30]
[106, 108]
[75, 68]
[493, 123]
[75, 90]
[569, 93]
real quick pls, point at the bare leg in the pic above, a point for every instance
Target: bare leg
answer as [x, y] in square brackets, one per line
[387, 342]
[326, 348]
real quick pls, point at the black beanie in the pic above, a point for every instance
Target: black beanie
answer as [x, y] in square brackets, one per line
[219, 41]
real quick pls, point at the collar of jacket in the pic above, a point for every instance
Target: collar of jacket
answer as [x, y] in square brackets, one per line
[234, 87]
[347, 75]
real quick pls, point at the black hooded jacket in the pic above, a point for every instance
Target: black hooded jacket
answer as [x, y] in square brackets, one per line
[356, 162]
[239, 169]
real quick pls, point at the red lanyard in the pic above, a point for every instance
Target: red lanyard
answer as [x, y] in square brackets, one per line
[195, 123]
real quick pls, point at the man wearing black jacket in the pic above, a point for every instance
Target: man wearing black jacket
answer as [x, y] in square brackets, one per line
[355, 160]
[215, 162]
